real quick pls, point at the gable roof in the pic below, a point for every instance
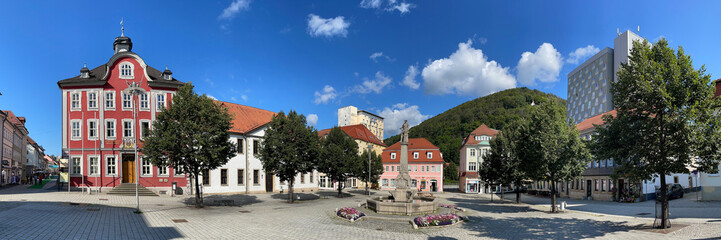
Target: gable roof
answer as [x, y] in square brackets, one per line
[413, 143]
[480, 131]
[14, 119]
[595, 120]
[357, 131]
[246, 118]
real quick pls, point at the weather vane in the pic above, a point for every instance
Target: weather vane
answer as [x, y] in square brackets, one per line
[122, 29]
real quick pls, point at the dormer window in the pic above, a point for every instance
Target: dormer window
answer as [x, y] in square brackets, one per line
[415, 155]
[393, 155]
[126, 70]
[478, 138]
[429, 155]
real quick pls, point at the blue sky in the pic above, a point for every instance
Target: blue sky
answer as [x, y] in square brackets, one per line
[317, 56]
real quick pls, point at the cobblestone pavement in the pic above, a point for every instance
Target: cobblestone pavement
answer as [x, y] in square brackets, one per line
[47, 214]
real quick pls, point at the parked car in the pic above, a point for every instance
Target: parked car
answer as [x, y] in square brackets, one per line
[673, 190]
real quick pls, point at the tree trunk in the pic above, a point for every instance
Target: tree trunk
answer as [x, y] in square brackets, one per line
[490, 190]
[503, 193]
[664, 203]
[340, 189]
[553, 196]
[198, 196]
[367, 190]
[518, 194]
[290, 191]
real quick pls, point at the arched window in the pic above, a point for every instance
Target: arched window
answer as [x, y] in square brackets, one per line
[126, 70]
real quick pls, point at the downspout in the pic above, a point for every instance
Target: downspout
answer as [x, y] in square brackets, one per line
[245, 151]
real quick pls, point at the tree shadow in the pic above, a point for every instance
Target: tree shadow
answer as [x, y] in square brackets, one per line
[234, 200]
[543, 228]
[495, 207]
[298, 196]
[328, 194]
[441, 238]
[59, 217]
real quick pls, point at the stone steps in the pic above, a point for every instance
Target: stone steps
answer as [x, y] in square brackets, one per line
[128, 189]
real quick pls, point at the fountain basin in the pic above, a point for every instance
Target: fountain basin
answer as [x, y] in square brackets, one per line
[417, 205]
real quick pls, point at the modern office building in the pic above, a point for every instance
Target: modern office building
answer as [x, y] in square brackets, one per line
[589, 87]
[350, 115]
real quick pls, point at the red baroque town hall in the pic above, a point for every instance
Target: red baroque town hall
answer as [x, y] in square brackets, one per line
[99, 133]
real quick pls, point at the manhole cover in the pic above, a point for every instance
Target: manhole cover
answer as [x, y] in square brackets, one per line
[93, 209]
[245, 211]
[180, 220]
[645, 213]
[103, 199]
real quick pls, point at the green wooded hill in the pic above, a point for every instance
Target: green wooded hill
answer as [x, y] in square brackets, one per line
[447, 130]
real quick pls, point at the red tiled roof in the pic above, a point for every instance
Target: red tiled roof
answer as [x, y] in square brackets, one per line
[420, 145]
[12, 118]
[480, 131]
[595, 120]
[245, 118]
[357, 131]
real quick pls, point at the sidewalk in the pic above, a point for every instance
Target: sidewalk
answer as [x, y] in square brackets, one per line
[686, 209]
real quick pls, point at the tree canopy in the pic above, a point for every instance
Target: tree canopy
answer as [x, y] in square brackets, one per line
[339, 157]
[666, 119]
[191, 136]
[501, 164]
[376, 168]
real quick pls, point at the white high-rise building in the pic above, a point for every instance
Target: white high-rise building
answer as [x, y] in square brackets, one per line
[589, 87]
[350, 115]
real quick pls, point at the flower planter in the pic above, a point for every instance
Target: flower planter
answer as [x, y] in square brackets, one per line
[438, 220]
[350, 214]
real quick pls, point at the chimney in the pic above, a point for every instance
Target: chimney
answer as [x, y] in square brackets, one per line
[718, 88]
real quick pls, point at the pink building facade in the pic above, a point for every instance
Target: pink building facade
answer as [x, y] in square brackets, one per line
[425, 166]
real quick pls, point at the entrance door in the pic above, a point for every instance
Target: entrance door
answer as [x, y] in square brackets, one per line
[589, 185]
[434, 185]
[128, 168]
[269, 182]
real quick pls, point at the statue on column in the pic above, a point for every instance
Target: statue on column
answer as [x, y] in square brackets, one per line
[404, 132]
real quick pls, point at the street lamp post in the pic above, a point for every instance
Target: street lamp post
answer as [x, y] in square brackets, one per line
[135, 90]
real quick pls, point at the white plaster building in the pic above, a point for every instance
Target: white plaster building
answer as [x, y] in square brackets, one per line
[473, 148]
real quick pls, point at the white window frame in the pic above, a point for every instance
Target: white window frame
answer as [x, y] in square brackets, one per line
[478, 138]
[393, 155]
[75, 103]
[472, 167]
[126, 128]
[92, 99]
[96, 129]
[175, 172]
[141, 129]
[79, 136]
[433, 168]
[415, 168]
[96, 165]
[129, 100]
[110, 100]
[107, 166]
[429, 155]
[130, 67]
[165, 170]
[473, 152]
[115, 129]
[73, 165]
[416, 155]
[143, 165]
[145, 102]
[157, 101]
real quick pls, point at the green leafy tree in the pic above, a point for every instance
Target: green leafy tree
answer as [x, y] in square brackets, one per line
[665, 118]
[339, 157]
[549, 147]
[191, 135]
[376, 168]
[289, 147]
[501, 164]
[450, 172]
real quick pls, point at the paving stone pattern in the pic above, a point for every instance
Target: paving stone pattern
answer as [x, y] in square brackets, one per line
[48, 214]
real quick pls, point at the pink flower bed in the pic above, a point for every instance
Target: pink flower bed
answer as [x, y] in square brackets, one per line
[437, 220]
[349, 213]
[450, 206]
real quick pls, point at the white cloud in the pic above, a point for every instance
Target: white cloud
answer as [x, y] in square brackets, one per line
[211, 97]
[466, 72]
[327, 94]
[395, 115]
[371, 3]
[581, 54]
[410, 79]
[234, 99]
[373, 85]
[235, 7]
[327, 27]
[402, 7]
[312, 119]
[376, 55]
[244, 97]
[543, 65]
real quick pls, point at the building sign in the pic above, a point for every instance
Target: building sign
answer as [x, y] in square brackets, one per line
[63, 177]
